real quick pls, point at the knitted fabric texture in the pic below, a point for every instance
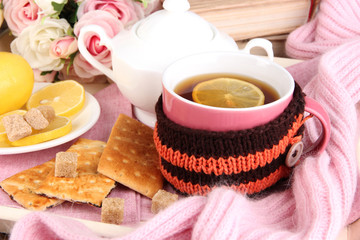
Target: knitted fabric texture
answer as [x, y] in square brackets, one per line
[336, 23]
[195, 161]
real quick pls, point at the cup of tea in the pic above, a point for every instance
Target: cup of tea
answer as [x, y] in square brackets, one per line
[234, 119]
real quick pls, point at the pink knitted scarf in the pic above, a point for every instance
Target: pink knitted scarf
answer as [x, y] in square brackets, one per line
[321, 200]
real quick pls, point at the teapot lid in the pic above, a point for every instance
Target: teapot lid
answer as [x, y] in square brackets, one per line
[175, 24]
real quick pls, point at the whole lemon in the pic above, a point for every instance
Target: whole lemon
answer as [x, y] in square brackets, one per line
[16, 81]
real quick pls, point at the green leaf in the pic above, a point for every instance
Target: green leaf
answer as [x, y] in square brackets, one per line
[43, 20]
[69, 12]
[56, 78]
[45, 72]
[70, 32]
[144, 2]
[72, 56]
[58, 7]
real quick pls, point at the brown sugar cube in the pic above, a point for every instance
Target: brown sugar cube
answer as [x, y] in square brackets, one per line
[48, 112]
[40, 117]
[16, 127]
[112, 210]
[161, 200]
[66, 164]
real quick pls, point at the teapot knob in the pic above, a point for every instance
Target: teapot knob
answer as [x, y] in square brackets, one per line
[176, 5]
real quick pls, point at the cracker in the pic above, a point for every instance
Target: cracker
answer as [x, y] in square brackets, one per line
[88, 186]
[21, 187]
[130, 157]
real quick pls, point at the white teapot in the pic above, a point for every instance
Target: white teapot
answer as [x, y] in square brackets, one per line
[141, 54]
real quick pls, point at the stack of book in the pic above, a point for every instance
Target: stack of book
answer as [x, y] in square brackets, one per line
[247, 19]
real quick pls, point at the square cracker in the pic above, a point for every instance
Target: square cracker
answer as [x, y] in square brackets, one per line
[130, 157]
[88, 186]
[21, 186]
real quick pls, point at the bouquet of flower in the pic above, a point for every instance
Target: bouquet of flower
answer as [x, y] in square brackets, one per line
[46, 32]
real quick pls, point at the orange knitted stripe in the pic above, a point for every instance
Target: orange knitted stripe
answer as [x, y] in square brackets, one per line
[249, 188]
[230, 165]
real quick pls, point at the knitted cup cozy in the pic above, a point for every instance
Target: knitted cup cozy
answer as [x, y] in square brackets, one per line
[194, 161]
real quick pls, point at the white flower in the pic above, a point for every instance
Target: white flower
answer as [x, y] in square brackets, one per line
[34, 43]
[49, 7]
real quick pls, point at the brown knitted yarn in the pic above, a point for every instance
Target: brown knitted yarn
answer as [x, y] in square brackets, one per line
[195, 161]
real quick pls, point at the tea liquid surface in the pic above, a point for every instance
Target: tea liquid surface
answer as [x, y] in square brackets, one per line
[185, 88]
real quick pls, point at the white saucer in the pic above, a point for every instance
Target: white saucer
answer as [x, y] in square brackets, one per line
[81, 123]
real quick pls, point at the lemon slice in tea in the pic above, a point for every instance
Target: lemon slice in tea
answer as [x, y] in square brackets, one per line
[228, 93]
[57, 128]
[66, 97]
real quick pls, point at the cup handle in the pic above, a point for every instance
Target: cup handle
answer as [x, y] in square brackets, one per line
[314, 108]
[104, 40]
[263, 43]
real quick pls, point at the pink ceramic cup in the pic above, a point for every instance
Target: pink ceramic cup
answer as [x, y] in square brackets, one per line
[197, 116]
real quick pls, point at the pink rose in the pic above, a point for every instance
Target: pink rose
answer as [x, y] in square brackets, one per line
[63, 47]
[124, 10]
[65, 74]
[111, 25]
[48, 77]
[19, 14]
[84, 69]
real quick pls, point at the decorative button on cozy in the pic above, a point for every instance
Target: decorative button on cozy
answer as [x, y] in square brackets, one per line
[294, 154]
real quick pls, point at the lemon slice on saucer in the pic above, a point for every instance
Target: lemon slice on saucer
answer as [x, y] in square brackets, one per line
[57, 128]
[228, 93]
[3, 136]
[66, 97]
